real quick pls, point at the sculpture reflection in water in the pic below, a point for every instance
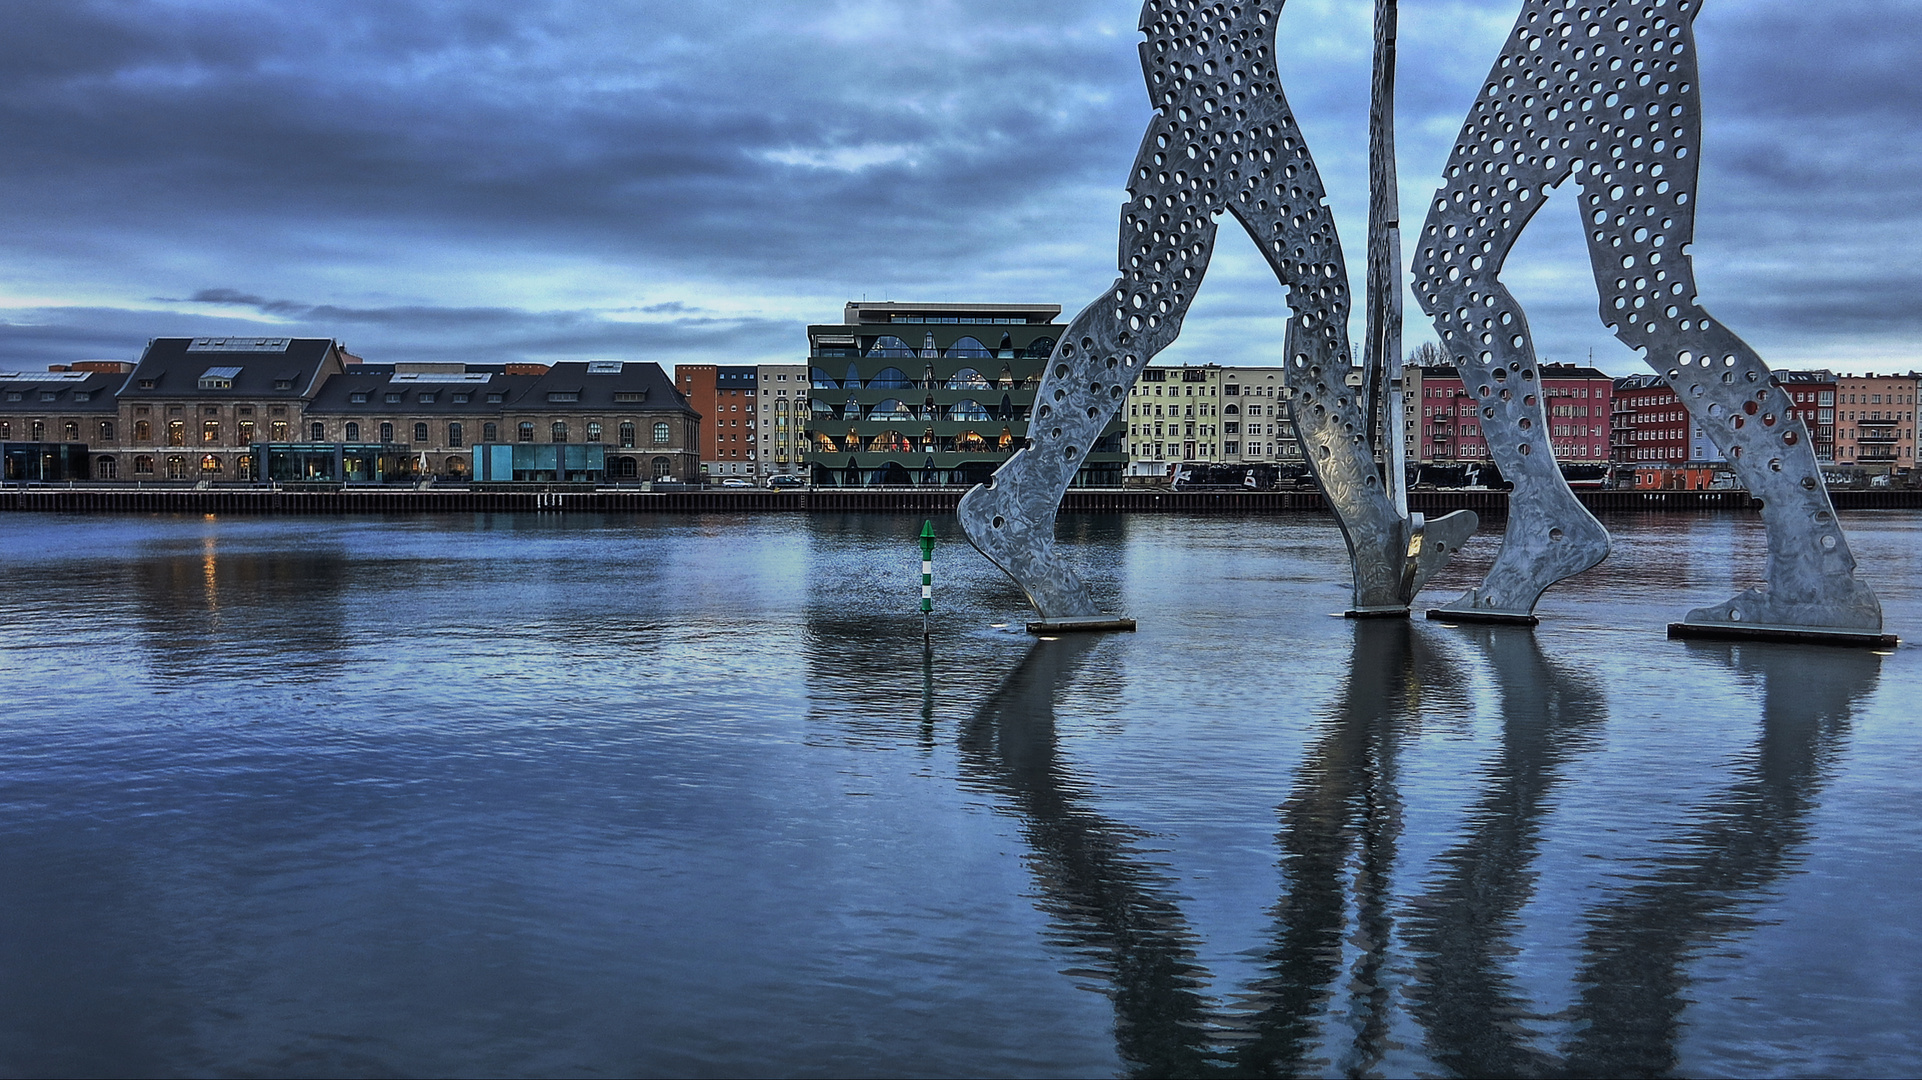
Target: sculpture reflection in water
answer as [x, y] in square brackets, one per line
[1328, 995]
[1463, 927]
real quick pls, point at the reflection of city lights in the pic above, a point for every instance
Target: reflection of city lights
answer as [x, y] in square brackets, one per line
[207, 571]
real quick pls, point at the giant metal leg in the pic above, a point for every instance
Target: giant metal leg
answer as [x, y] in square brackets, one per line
[1223, 137]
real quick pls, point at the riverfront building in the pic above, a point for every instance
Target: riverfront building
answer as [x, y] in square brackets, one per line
[782, 419]
[1875, 421]
[724, 396]
[439, 411]
[932, 395]
[1578, 400]
[68, 405]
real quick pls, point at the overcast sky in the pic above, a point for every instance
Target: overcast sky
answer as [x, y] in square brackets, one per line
[644, 179]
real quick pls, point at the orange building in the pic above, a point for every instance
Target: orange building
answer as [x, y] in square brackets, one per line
[725, 398]
[1875, 421]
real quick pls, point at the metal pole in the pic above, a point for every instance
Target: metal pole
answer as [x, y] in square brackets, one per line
[1382, 357]
[927, 575]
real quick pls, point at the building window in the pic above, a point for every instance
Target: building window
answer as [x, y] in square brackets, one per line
[176, 467]
[526, 431]
[176, 433]
[559, 431]
[627, 434]
[358, 397]
[106, 468]
[386, 432]
[246, 433]
[318, 431]
[455, 436]
[142, 431]
[490, 433]
[279, 429]
[210, 464]
[72, 430]
[593, 431]
[143, 465]
[39, 431]
[394, 399]
[420, 433]
[210, 431]
[353, 431]
[661, 468]
[660, 432]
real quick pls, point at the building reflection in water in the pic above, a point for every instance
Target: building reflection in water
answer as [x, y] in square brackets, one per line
[1334, 926]
[215, 605]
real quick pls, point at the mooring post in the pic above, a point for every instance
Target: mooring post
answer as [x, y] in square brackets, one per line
[927, 575]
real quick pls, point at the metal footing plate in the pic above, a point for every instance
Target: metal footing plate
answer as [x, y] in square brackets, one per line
[1094, 624]
[1509, 618]
[1807, 635]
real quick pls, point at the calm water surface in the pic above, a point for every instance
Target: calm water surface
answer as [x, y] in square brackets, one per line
[506, 795]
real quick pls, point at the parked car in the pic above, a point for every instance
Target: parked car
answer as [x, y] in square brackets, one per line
[735, 481]
[779, 482]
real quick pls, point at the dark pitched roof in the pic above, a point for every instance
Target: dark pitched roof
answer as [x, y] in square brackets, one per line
[229, 367]
[371, 390]
[72, 391]
[593, 385]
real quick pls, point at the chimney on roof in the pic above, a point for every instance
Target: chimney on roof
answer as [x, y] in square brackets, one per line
[58, 367]
[103, 367]
[527, 369]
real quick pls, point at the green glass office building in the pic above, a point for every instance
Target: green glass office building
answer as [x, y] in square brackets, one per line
[933, 395]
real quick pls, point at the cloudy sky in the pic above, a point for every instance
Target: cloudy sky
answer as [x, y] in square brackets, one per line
[673, 181]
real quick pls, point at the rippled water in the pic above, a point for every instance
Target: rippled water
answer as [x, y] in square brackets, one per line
[687, 796]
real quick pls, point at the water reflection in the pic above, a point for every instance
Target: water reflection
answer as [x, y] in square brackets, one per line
[1329, 995]
[1462, 929]
[1636, 950]
[1338, 834]
[1108, 902]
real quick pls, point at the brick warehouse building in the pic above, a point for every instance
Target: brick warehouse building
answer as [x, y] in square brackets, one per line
[1447, 421]
[724, 395]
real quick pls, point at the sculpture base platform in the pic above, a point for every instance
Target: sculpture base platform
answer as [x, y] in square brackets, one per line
[1376, 613]
[1082, 624]
[1504, 618]
[1807, 635]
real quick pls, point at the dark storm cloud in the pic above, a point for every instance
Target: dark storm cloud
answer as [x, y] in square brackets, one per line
[424, 177]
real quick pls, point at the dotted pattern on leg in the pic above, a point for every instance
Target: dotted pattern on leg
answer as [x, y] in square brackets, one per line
[1606, 92]
[1222, 138]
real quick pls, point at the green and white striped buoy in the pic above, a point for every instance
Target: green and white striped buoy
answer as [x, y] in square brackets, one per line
[927, 575]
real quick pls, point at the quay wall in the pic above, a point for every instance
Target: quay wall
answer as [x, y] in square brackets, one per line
[244, 500]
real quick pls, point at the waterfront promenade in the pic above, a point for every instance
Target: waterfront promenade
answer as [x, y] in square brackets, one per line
[560, 499]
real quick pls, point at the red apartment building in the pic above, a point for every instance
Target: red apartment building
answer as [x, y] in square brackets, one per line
[1578, 400]
[724, 396]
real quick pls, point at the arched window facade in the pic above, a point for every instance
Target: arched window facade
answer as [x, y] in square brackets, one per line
[892, 409]
[821, 380]
[887, 345]
[176, 466]
[353, 431]
[662, 467]
[968, 409]
[490, 433]
[526, 432]
[106, 430]
[890, 442]
[660, 435]
[318, 431]
[593, 431]
[890, 378]
[968, 346]
[559, 431]
[106, 468]
[143, 465]
[72, 430]
[210, 464]
[420, 433]
[1040, 348]
[968, 379]
[143, 433]
[627, 434]
[386, 432]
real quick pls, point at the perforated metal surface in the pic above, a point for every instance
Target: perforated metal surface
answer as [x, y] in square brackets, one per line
[1222, 138]
[1607, 93]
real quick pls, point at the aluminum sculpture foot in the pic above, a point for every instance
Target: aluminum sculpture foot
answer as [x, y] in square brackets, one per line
[1611, 101]
[1223, 138]
[1421, 547]
[1543, 545]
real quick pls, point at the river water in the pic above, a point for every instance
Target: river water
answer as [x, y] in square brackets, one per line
[508, 795]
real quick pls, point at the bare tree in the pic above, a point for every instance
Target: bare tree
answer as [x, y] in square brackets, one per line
[1428, 354]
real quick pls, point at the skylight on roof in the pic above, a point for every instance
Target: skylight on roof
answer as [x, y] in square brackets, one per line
[239, 344]
[604, 367]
